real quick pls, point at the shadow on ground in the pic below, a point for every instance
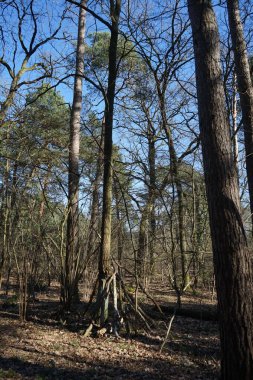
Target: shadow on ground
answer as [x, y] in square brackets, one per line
[153, 370]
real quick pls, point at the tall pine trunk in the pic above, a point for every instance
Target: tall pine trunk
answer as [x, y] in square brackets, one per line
[70, 276]
[231, 256]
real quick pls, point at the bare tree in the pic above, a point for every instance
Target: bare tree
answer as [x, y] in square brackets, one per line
[162, 62]
[30, 45]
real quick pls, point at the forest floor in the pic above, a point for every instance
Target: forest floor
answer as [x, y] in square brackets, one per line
[50, 347]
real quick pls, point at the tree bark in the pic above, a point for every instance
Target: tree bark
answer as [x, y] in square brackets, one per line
[141, 266]
[231, 255]
[245, 88]
[70, 290]
[105, 250]
[94, 212]
[235, 126]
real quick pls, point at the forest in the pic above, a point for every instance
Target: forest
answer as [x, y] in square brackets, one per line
[126, 189]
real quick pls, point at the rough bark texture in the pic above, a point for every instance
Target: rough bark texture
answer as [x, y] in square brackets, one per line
[245, 88]
[235, 126]
[70, 283]
[231, 255]
[105, 251]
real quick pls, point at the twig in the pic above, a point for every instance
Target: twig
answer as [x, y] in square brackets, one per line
[168, 330]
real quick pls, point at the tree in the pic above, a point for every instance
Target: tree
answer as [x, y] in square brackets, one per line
[70, 281]
[162, 61]
[105, 250]
[245, 89]
[148, 222]
[33, 153]
[231, 255]
[25, 47]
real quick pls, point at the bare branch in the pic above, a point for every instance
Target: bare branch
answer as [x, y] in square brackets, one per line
[94, 14]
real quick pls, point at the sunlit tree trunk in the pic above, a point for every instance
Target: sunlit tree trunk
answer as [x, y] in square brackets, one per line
[70, 283]
[105, 250]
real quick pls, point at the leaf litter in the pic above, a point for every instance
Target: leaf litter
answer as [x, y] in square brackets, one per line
[44, 349]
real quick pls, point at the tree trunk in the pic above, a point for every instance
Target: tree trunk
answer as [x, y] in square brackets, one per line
[5, 106]
[235, 126]
[231, 255]
[143, 244]
[105, 250]
[175, 175]
[70, 285]
[94, 212]
[245, 88]
[152, 195]
[120, 225]
[5, 215]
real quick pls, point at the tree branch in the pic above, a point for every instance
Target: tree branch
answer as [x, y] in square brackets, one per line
[94, 14]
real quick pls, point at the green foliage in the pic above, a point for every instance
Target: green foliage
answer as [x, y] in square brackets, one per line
[39, 136]
[46, 122]
[97, 52]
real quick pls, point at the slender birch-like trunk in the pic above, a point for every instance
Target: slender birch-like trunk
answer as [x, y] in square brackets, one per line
[70, 283]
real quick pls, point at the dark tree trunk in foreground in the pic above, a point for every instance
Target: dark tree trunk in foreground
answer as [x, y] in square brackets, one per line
[70, 281]
[231, 255]
[245, 88]
[105, 251]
